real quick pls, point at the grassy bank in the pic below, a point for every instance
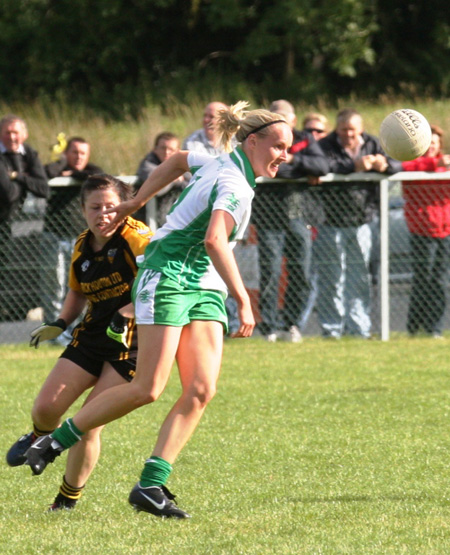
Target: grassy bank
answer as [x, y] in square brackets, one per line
[118, 146]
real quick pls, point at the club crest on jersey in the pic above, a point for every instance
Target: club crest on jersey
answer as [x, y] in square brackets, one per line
[85, 265]
[233, 202]
[111, 254]
[144, 296]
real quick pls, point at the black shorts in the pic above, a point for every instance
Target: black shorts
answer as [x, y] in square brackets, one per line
[126, 368]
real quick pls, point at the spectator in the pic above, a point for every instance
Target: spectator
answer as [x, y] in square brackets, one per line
[344, 242]
[316, 124]
[427, 214]
[203, 140]
[166, 144]
[283, 215]
[63, 222]
[21, 172]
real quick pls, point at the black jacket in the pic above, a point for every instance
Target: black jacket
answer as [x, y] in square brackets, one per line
[30, 178]
[355, 203]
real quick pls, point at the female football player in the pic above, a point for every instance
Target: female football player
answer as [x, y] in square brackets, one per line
[102, 271]
[179, 295]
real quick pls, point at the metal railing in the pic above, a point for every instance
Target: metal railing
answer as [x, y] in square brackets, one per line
[22, 277]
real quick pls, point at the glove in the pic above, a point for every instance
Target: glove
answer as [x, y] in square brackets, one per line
[118, 329]
[46, 332]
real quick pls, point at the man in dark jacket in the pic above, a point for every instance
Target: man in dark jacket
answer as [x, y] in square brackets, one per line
[63, 223]
[283, 214]
[346, 237]
[166, 144]
[21, 174]
[21, 171]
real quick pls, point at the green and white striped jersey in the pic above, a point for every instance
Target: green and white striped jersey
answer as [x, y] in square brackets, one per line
[178, 248]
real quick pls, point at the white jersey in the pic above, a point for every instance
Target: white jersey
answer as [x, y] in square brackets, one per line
[178, 248]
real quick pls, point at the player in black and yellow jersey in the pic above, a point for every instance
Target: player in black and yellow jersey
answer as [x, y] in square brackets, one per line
[103, 350]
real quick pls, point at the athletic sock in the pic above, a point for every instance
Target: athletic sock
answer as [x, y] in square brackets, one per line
[39, 433]
[67, 434]
[70, 492]
[155, 473]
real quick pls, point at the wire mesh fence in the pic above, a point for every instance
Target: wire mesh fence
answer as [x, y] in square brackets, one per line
[311, 257]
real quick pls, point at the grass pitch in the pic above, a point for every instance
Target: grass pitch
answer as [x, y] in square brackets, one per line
[323, 447]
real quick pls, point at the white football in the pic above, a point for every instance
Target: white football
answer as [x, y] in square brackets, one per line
[405, 134]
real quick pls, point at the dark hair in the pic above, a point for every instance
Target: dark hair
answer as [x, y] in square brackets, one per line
[103, 182]
[75, 140]
[166, 136]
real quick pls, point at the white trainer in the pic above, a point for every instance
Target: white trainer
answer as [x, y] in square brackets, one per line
[293, 335]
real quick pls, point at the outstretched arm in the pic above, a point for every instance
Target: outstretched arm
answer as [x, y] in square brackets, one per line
[165, 173]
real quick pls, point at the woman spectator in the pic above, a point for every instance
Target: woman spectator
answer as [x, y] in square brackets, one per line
[427, 214]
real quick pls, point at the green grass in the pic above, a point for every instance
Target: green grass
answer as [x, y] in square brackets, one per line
[323, 447]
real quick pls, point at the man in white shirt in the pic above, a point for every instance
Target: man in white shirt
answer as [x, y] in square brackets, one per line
[202, 140]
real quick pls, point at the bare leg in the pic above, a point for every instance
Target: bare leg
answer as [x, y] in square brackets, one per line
[199, 359]
[65, 383]
[156, 354]
[83, 456]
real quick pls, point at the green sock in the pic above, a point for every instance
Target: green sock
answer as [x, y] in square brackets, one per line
[156, 472]
[67, 434]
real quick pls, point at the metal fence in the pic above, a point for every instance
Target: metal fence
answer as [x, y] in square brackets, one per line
[28, 271]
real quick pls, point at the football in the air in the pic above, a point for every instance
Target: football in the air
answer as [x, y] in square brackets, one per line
[405, 134]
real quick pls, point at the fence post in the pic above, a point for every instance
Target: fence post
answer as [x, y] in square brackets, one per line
[384, 258]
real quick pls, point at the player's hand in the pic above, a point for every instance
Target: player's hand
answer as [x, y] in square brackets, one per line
[118, 329]
[46, 332]
[246, 319]
[121, 211]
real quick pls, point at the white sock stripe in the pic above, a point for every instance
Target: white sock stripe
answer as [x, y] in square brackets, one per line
[72, 430]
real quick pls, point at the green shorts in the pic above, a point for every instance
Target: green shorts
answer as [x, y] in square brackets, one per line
[160, 300]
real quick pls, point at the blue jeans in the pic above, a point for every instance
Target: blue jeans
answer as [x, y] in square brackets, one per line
[295, 244]
[343, 264]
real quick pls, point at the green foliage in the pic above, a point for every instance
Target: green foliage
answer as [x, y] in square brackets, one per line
[116, 55]
[323, 447]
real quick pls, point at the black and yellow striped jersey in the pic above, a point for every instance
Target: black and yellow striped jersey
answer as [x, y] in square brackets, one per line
[105, 278]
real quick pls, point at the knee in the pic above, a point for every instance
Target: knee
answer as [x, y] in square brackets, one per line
[201, 394]
[43, 414]
[141, 396]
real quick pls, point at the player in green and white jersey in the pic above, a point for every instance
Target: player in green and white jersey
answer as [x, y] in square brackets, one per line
[179, 295]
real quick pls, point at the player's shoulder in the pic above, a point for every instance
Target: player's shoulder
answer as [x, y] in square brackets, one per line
[197, 160]
[136, 233]
[136, 226]
[79, 243]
